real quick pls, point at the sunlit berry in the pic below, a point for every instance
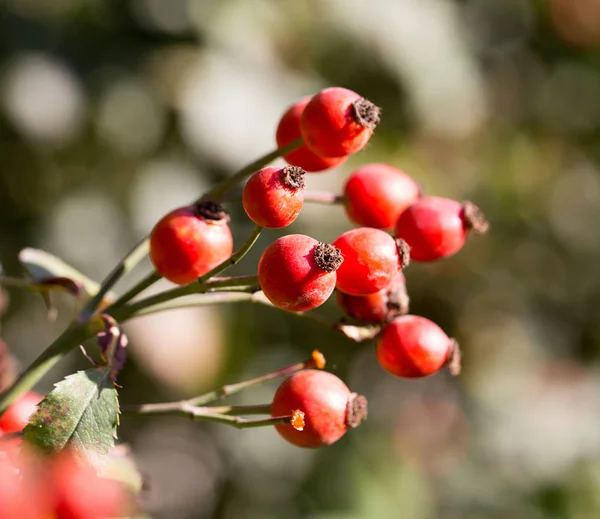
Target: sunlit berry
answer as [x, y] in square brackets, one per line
[17, 415]
[329, 408]
[298, 273]
[338, 122]
[376, 194]
[288, 131]
[190, 241]
[273, 197]
[436, 227]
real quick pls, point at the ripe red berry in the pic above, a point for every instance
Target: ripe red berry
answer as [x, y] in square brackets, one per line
[328, 405]
[20, 499]
[190, 241]
[376, 194]
[17, 415]
[380, 306]
[298, 273]
[412, 346]
[437, 227]
[338, 122]
[289, 131]
[371, 259]
[80, 494]
[273, 197]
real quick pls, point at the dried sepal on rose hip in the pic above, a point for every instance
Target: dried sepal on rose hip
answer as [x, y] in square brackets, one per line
[190, 241]
[371, 260]
[375, 195]
[329, 408]
[288, 131]
[297, 272]
[437, 227]
[411, 346]
[273, 197]
[338, 122]
[381, 306]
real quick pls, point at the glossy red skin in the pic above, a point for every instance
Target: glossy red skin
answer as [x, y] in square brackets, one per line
[17, 415]
[329, 127]
[371, 260]
[376, 195]
[372, 308]
[323, 398]
[433, 227]
[288, 131]
[289, 276]
[412, 346]
[269, 202]
[184, 246]
[80, 494]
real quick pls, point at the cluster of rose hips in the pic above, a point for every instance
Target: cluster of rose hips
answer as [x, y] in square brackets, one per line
[364, 265]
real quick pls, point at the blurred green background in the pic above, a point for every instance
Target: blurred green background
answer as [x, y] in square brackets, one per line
[115, 111]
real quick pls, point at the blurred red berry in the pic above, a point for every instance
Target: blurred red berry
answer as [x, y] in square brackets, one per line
[328, 405]
[190, 241]
[273, 197]
[371, 260]
[376, 194]
[411, 346]
[17, 415]
[437, 227]
[337, 122]
[289, 131]
[378, 307]
[298, 273]
[79, 493]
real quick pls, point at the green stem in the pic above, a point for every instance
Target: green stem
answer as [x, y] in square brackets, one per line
[178, 408]
[134, 256]
[68, 340]
[126, 312]
[138, 288]
[220, 189]
[323, 197]
[315, 360]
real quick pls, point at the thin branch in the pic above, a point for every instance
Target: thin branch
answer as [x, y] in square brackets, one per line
[323, 197]
[138, 288]
[180, 408]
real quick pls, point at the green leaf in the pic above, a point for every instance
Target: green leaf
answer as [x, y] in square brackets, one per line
[40, 265]
[81, 413]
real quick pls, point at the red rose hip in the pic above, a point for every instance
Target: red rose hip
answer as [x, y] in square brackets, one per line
[17, 415]
[371, 260]
[288, 131]
[411, 346]
[389, 302]
[376, 194]
[329, 408]
[338, 122]
[191, 241]
[298, 273]
[273, 197]
[436, 227]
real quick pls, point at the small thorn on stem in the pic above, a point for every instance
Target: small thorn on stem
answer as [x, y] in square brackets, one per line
[454, 361]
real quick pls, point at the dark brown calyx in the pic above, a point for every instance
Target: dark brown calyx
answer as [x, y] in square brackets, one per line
[212, 211]
[293, 177]
[474, 219]
[397, 299]
[327, 257]
[366, 113]
[403, 253]
[356, 410]
[454, 360]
